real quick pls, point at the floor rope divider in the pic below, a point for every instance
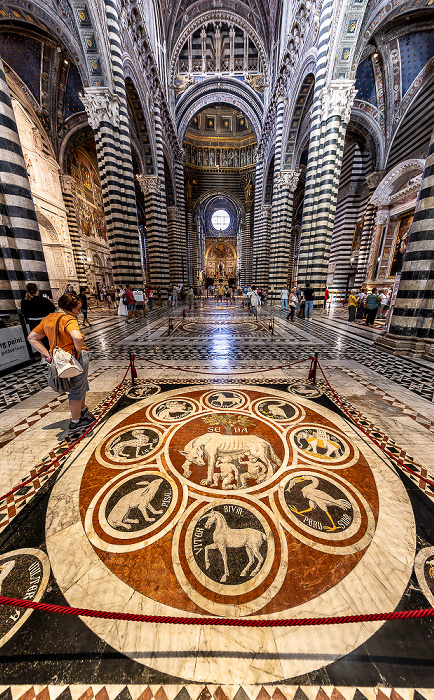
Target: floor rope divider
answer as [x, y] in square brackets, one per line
[217, 621]
[71, 447]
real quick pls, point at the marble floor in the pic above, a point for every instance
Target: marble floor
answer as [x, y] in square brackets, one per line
[221, 483]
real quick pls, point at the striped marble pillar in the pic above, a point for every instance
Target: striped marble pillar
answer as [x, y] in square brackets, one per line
[174, 252]
[257, 222]
[21, 253]
[187, 275]
[337, 100]
[108, 116]
[261, 262]
[157, 247]
[412, 328]
[68, 185]
[280, 243]
[316, 139]
[278, 197]
[245, 265]
[181, 241]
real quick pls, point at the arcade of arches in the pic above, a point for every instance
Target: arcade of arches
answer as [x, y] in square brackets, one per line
[178, 146]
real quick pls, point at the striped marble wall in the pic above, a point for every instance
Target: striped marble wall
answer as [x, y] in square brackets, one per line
[412, 327]
[21, 252]
[352, 200]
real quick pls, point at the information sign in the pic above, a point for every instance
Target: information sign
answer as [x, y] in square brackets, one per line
[13, 348]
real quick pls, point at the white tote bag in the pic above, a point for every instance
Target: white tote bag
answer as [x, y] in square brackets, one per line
[66, 364]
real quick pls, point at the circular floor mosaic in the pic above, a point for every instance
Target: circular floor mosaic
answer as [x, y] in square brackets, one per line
[233, 502]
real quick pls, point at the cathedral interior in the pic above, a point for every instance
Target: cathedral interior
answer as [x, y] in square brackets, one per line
[248, 512]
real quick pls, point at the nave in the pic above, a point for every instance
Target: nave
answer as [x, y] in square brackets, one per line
[221, 436]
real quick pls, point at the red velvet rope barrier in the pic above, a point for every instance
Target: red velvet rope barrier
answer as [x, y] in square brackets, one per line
[71, 447]
[217, 621]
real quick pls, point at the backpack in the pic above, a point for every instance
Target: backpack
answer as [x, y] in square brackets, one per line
[125, 300]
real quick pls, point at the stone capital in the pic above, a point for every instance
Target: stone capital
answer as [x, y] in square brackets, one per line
[149, 184]
[101, 105]
[288, 179]
[68, 183]
[382, 217]
[337, 99]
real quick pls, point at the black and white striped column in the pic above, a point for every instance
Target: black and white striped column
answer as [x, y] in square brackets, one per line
[68, 184]
[108, 116]
[412, 325]
[278, 202]
[181, 244]
[315, 140]
[262, 260]
[21, 252]
[337, 100]
[246, 248]
[280, 242]
[257, 252]
[156, 229]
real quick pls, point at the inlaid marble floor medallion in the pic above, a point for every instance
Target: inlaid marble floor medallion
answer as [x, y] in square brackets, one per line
[234, 501]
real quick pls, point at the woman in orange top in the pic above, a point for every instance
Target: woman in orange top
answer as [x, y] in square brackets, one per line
[69, 338]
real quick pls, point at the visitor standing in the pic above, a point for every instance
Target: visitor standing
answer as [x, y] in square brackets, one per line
[131, 303]
[35, 307]
[220, 292]
[159, 295]
[384, 302]
[309, 296]
[255, 301]
[83, 299]
[284, 297]
[361, 304]
[352, 306]
[372, 304]
[122, 307]
[190, 297]
[150, 295]
[174, 295]
[293, 303]
[326, 297]
[61, 330]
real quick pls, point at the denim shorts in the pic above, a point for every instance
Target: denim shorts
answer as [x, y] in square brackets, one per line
[79, 384]
[131, 307]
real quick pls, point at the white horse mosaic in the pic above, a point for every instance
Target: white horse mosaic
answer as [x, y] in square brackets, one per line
[225, 537]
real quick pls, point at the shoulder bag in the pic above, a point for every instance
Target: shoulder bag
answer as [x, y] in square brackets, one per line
[66, 364]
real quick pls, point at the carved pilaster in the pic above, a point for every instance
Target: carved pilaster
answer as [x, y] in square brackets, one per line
[101, 105]
[149, 184]
[337, 99]
[288, 179]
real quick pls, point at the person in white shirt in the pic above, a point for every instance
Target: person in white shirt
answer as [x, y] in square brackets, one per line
[384, 301]
[255, 301]
[284, 297]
